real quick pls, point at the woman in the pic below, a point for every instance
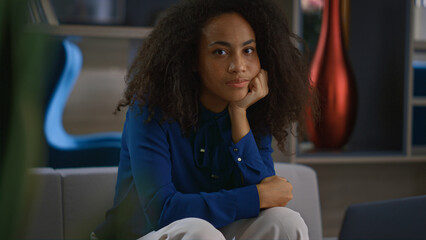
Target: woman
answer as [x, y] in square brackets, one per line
[211, 85]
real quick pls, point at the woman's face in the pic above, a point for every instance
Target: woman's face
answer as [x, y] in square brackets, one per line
[228, 60]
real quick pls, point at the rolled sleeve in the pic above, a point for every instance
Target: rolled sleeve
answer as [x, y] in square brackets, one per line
[253, 159]
[247, 202]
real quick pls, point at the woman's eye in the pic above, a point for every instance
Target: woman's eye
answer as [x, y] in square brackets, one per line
[249, 50]
[219, 52]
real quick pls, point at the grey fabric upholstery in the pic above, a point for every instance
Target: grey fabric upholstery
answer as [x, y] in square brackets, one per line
[305, 195]
[83, 195]
[45, 219]
[87, 194]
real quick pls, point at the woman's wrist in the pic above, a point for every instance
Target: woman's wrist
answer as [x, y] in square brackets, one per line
[239, 123]
[261, 195]
[236, 112]
[235, 109]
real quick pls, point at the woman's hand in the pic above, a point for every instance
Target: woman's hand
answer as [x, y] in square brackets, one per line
[258, 89]
[274, 191]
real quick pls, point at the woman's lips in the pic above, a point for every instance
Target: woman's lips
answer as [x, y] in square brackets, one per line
[238, 83]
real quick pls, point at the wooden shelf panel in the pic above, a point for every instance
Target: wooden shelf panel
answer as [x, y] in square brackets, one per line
[308, 155]
[420, 45]
[360, 159]
[418, 151]
[122, 32]
[419, 101]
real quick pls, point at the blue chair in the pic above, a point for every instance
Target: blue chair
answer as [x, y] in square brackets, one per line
[66, 150]
[403, 218]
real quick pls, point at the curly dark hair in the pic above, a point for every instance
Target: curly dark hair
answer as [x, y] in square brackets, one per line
[162, 72]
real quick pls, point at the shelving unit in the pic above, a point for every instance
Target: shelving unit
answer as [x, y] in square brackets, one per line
[418, 101]
[381, 51]
[107, 52]
[399, 148]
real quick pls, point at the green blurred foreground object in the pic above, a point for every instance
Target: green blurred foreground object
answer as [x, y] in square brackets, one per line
[21, 59]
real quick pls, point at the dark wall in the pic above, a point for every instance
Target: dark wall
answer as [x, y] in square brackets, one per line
[379, 36]
[110, 12]
[145, 12]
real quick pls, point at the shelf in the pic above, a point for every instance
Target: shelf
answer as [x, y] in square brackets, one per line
[419, 101]
[360, 159]
[419, 151]
[383, 131]
[122, 32]
[420, 45]
[308, 155]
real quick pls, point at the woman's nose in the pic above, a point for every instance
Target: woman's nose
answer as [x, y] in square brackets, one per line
[237, 64]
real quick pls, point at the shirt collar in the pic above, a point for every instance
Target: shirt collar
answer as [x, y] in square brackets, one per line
[207, 115]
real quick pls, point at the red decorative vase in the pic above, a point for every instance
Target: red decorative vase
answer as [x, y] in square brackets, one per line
[333, 78]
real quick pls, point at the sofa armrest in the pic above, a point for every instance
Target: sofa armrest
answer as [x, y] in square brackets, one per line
[87, 194]
[305, 195]
[44, 219]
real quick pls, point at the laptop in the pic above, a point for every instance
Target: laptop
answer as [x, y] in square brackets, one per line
[398, 219]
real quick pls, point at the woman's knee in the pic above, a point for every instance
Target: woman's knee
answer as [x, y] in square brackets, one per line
[197, 228]
[290, 222]
[280, 213]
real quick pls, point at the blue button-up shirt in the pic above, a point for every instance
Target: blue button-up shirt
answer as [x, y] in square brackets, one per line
[165, 175]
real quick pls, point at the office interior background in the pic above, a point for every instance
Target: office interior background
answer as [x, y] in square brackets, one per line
[385, 158]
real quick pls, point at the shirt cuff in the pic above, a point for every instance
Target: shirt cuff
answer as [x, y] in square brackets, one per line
[245, 147]
[248, 205]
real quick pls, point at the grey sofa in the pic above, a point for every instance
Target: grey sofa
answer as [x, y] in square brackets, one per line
[70, 203]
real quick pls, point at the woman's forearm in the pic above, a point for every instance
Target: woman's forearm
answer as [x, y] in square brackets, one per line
[239, 123]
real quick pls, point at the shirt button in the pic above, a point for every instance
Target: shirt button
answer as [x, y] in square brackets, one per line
[214, 176]
[239, 159]
[202, 150]
[235, 149]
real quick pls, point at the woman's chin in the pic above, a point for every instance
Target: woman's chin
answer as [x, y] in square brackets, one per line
[239, 95]
[236, 98]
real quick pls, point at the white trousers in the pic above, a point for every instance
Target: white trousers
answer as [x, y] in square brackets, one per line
[279, 223]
